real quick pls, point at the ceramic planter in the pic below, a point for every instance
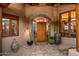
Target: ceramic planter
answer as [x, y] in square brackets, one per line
[14, 46]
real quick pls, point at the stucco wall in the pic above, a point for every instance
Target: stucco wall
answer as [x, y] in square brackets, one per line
[7, 41]
[37, 10]
[17, 8]
[69, 41]
[65, 8]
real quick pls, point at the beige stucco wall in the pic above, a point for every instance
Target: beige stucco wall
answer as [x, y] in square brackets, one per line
[69, 41]
[7, 41]
[17, 8]
[37, 10]
[65, 8]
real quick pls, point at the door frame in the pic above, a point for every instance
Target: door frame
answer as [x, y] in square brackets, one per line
[31, 19]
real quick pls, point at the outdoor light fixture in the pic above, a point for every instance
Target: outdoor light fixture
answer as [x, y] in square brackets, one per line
[41, 19]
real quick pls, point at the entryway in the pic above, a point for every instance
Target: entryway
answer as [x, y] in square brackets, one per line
[40, 29]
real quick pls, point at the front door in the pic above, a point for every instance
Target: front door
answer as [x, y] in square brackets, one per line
[41, 31]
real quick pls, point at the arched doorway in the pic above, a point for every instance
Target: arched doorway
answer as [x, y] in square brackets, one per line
[40, 28]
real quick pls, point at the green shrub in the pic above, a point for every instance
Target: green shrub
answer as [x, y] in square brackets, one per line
[51, 40]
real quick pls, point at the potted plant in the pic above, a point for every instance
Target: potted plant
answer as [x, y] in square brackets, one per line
[30, 41]
[51, 40]
[57, 38]
[57, 35]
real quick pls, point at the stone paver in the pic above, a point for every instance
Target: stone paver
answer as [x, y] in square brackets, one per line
[39, 50]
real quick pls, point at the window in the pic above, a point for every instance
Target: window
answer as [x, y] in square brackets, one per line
[9, 25]
[65, 23]
[68, 24]
[73, 22]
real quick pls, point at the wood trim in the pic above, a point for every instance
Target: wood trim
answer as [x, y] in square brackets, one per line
[77, 27]
[0, 37]
[0, 31]
[10, 16]
[69, 20]
[14, 17]
[67, 11]
[4, 5]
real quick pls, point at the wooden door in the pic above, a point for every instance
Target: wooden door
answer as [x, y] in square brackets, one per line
[41, 31]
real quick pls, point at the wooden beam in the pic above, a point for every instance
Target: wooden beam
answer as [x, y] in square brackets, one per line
[77, 27]
[4, 5]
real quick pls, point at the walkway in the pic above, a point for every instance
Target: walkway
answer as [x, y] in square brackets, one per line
[39, 50]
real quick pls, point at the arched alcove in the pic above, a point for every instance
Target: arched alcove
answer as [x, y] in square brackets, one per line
[39, 27]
